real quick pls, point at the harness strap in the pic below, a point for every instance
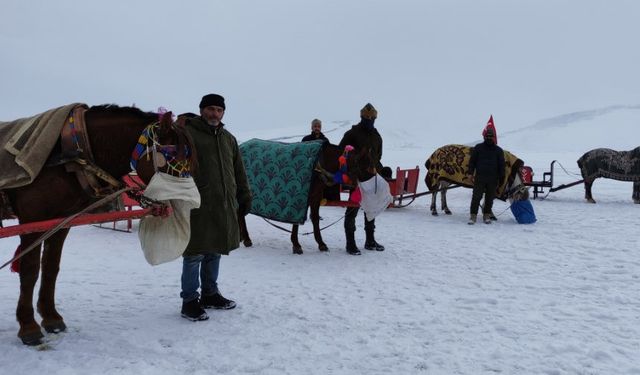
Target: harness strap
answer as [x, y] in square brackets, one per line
[74, 138]
[325, 175]
[89, 176]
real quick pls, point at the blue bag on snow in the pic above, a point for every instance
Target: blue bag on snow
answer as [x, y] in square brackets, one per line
[523, 212]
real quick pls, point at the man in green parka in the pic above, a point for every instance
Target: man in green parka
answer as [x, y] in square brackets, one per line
[224, 193]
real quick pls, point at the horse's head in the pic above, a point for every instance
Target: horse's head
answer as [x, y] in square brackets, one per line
[164, 146]
[360, 165]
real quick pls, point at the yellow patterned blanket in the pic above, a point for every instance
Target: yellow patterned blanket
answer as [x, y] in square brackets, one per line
[451, 162]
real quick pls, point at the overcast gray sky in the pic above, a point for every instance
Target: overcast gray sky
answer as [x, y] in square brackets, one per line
[441, 65]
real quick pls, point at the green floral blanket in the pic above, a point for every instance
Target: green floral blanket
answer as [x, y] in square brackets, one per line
[279, 175]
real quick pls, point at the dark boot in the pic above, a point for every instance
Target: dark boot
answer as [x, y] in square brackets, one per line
[216, 301]
[351, 244]
[370, 243]
[191, 310]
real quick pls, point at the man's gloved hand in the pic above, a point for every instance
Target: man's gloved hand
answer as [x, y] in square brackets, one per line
[244, 208]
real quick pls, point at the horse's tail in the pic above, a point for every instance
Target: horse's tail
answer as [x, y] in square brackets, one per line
[431, 178]
[581, 164]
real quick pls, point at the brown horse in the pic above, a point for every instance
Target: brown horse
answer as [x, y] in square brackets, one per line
[322, 187]
[112, 134]
[607, 163]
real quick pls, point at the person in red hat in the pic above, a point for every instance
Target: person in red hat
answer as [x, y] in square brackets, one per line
[486, 170]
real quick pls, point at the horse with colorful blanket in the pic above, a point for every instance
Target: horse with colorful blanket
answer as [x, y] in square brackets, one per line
[449, 165]
[288, 178]
[607, 163]
[57, 164]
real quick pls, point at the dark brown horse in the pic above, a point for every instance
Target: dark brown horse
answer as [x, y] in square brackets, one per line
[322, 187]
[112, 134]
[607, 163]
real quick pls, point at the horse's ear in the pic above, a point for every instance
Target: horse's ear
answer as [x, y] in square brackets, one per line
[166, 116]
[166, 119]
[180, 122]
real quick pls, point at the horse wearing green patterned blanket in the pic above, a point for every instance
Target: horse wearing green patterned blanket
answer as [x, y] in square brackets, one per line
[288, 178]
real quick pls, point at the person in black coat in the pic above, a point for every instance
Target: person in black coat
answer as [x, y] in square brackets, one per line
[487, 164]
[361, 136]
[316, 132]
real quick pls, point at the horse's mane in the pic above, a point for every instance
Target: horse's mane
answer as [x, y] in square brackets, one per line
[331, 146]
[114, 109]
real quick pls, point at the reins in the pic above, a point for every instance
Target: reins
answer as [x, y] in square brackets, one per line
[61, 225]
[144, 202]
[302, 234]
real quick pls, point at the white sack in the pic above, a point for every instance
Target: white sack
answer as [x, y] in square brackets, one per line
[376, 196]
[164, 239]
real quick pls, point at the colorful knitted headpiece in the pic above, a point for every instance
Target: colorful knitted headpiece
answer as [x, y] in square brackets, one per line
[340, 177]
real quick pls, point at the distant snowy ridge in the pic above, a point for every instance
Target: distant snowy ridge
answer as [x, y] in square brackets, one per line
[577, 132]
[573, 117]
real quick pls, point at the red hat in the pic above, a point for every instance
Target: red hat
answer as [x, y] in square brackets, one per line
[490, 130]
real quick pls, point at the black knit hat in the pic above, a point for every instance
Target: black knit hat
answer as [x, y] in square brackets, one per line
[212, 99]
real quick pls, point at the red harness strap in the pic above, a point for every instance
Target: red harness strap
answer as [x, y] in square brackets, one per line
[15, 265]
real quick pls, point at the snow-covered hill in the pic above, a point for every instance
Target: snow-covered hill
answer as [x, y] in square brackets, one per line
[555, 297]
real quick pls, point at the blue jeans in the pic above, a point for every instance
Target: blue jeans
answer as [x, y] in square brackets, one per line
[199, 269]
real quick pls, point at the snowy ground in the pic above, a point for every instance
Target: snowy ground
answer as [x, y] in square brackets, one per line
[556, 297]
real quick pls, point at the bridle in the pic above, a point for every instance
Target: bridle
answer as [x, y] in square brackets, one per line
[165, 156]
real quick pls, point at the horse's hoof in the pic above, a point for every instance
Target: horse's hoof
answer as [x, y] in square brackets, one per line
[54, 327]
[323, 247]
[297, 250]
[434, 213]
[32, 339]
[247, 243]
[591, 201]
[447, 212]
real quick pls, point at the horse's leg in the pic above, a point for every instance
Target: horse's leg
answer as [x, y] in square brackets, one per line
[315, 220]
[52, 322]
[297, 248]
[434, 209]
[244, 232]
[636, 192]
[587, 191]
[443, 198]
[29, 332]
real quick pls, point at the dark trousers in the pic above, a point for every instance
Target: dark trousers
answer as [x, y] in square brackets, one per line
[486, 188]
[350, 223]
